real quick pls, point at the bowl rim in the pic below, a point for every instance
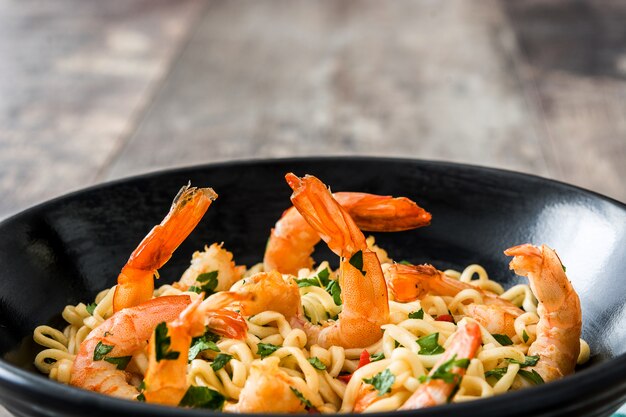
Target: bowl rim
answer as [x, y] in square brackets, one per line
[14, 379]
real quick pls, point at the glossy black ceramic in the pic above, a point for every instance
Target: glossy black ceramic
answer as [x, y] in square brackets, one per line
[68, 249]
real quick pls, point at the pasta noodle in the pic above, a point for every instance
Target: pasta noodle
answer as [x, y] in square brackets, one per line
[318, 373]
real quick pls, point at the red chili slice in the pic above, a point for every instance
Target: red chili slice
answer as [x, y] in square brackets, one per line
[445, 317]
[364, 359]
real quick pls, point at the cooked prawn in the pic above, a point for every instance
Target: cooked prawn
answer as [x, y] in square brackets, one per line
[135, 283]
[122, 335]
[270, 291]
[411, 282]
[268, 389]
[214, 258]
[166, 379]
[364, 292]
[292, 240]
[560, 317]
[436, 391]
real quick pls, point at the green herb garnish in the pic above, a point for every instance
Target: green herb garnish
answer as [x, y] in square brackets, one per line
[528, 361]
[317, 363]
[429, 345]
[503, 339]
[357, 261]
[532, 376]
[209, 283]
[121, 361]
[91, 307]
[220, 361]
[202, 343]
[525, 336]
[419, 314]
[141, 398]
[266, 349]
[405, 262]
[101, 351]
[497, 373]
[377, 357]
[382, 381]
[162, 344]
[202, 397]
[444, 371]
[301, 397]
[320, 280]
[334, 289]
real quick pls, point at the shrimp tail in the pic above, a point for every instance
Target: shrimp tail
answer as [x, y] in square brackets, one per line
[325, 215]
[135, 283]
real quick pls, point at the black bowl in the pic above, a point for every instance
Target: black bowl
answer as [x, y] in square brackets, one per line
[66, 250]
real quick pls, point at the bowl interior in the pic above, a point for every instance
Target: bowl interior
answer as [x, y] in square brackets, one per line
[66, 250]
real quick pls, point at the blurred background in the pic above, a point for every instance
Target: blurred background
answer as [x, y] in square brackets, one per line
[97, 90]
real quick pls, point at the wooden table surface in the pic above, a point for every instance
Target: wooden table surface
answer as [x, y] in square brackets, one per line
[96, 90]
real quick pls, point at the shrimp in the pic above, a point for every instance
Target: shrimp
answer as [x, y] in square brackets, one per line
[560, 317]
[166, 379]
[292, 240]
[411, 282]
[213, 258]
[364, 292]
[122, 335]
[437, 390]
[270, 291]
[268, 389]
[135, 282]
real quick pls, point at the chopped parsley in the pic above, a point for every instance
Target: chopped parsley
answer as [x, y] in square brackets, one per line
[202, 343]
[141, 398]
[564, 268]
[320, 280]
[503, 339]
[317, 363]
[209, 283]
[429, 345]
[497, 373]
[202, 397]
[121, 361]
[220, 361]
[419, 314]
[334, 289]
[528, 361]
[302, 398]
[525, 336]
[101, 351]
[162, 344]
[377, 357]
[266, 349]
[444, 371]
[382, 381]
[405, 262]
[91, 307]
[357, 261]
[532, 376]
